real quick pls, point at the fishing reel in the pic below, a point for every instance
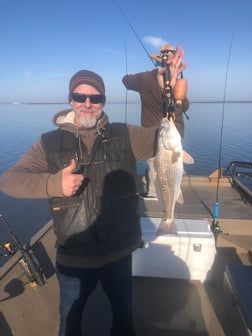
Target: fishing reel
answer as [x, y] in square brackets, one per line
[7, 249]
[28, 261]
[216, 229]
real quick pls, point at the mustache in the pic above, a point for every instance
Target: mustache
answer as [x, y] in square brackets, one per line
[90, 110]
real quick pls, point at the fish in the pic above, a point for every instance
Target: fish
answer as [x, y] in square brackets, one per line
[169, 164]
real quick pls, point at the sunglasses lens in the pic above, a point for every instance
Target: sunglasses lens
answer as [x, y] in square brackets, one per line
[95, 98]
[78, 97]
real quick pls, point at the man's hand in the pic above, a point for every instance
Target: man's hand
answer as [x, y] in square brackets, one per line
[71, 182]
[176, 67]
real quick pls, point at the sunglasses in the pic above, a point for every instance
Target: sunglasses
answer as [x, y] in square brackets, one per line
[162, 52]
[94, 98]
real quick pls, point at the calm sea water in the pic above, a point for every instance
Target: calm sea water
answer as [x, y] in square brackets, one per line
[21, 124]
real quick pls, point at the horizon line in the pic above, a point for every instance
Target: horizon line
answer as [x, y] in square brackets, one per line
[129, 102]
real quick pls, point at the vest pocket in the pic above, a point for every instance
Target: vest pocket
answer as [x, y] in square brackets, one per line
[61, 203]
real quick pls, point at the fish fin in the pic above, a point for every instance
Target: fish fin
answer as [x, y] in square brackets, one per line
[180, 198]
[187, 158]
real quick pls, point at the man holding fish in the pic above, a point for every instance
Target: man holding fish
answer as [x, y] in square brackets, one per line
[149, 84]
[86, 168]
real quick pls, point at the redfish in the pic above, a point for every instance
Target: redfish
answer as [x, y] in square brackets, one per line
[169, 162]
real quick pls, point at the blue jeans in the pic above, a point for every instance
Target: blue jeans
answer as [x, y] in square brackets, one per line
[76, 284]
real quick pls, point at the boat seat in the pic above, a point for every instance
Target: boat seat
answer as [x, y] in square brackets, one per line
[238, 280]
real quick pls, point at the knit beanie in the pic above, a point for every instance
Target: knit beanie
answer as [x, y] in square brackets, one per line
[86, 77]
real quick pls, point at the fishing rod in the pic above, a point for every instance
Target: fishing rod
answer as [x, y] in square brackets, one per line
[30, 264]
[167, 91]
[126, 91]
[134, 31]
[169, 95]
[215, 224]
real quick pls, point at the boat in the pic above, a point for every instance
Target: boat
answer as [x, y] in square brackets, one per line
[240, 175]
[217, 303]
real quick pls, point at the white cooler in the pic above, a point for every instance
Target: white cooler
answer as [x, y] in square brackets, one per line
[189, 253]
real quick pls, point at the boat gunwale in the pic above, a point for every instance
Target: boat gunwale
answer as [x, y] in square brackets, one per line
[14, 259]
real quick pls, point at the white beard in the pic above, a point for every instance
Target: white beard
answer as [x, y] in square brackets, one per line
[88, 121]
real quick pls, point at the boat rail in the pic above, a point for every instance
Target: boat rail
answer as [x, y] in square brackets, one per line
[240, 177]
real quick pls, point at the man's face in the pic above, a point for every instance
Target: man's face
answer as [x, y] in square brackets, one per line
[89, 110]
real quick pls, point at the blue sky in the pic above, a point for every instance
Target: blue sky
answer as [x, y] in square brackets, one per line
[44, 42]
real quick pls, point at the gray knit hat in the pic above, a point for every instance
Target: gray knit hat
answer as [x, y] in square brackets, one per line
[86, 77]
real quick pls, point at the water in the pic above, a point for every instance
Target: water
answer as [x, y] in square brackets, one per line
[21, 125]
[203, 135]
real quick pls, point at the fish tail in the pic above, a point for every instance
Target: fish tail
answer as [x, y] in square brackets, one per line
[166, 226]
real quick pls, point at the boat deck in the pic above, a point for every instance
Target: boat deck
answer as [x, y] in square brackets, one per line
[161, 306]
[199, 200]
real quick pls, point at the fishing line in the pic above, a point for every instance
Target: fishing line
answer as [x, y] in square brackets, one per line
[215, 226]
[134, 31]
[126, 91]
